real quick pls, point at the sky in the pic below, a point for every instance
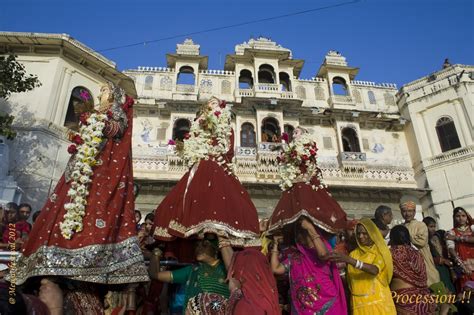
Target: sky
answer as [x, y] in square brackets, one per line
[394, 41]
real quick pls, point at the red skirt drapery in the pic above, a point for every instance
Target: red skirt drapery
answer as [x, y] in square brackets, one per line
[212, 202]
[107, 249]
[317, 205]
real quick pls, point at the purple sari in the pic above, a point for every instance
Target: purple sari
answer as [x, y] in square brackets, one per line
[315, 285]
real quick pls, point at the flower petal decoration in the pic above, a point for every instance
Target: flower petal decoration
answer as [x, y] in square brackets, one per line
[85, 150]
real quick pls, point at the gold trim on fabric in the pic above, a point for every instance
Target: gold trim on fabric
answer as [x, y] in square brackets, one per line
[106, 263]
[236, 237]
[281, 223]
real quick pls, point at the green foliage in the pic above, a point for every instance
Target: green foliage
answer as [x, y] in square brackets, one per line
[13, 79]
[6, 126]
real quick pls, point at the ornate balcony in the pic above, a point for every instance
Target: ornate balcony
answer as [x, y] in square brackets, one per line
[355, 161]
[335, 100]
[259, 165]
[449, 157]
[267, 87]
[353, 156]
[186, 88]
[245, 92]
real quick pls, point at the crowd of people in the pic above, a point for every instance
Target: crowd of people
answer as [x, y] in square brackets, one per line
[203, 250]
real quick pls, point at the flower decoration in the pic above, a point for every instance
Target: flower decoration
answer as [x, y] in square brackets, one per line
[297, 163]
[208, 138]
[85, 150]
[285, 137]
[171, 142]
[85, 95]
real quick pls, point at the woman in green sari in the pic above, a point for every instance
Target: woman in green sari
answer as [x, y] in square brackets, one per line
[207, 276]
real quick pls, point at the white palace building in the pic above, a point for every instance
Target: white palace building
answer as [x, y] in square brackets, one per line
[377, 144]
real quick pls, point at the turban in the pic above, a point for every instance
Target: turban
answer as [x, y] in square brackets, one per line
[408, 205]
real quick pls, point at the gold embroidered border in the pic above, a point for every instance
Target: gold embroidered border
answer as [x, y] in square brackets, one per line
[281, 223]
[239, 238]
[105, 263]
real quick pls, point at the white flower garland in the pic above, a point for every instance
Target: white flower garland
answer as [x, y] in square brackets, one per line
[88, 141]
[297, 163]
[200, 144]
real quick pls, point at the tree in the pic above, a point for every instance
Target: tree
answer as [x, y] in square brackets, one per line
[13, 79]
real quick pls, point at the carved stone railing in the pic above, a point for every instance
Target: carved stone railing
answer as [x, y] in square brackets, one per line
[245, 92]
[353, 161]
[259, 165]
[267, 87]
[217, 72]
[186, 88]
[262, 167]
[449, 157]
[353, 156]
[246, 151]
[341, 99]
[287, 95]
[267, 146]
[374, 84]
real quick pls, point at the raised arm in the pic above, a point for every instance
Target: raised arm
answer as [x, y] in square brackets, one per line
[154, 269]
[226, 251]
[339, 257]
[277, 267]
[315, 238]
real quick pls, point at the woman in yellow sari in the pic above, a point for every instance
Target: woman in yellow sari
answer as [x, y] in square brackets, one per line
[369, 271]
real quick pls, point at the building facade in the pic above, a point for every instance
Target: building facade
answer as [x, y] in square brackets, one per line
[440, 111]
[363, 150]
[377, 144]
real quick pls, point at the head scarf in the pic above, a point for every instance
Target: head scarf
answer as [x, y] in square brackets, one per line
[379, 248]
[408, 205]
[469, 218]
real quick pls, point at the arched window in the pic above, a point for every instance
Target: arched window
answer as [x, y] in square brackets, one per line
[301, 92]
[289, 131]
[350, 141]
[166, 83]
[225, 87]
[319, 92]
[285, 81]
[180, 128]
[81, 100]
[447, 135]
[389, 99]
[247, 135]
[339, 86]
[186, 75]
[266, 74]
[357, 96]
[270, 130]
[245, 79]
[371, 96]
[148, 82]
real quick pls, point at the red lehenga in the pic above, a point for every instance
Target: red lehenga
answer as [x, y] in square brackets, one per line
[305, 195]
[107, 249]
[209, 199]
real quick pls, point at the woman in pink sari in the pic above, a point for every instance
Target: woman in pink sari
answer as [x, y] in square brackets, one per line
[315, 284]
